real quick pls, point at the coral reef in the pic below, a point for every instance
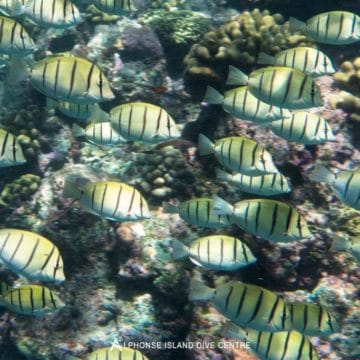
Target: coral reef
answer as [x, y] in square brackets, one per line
[238, 42]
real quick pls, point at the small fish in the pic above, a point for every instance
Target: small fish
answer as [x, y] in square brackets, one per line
[245, 304]
[239, 154]
[312, 319]
[345, 184]
[268, 219]
[115, 353]
[216, 252]
[303, 127]
[33, 300]
[4, 288]
[310, 61]
[73, 110]
[198, 212]
[101, 134]
[10, 150]
[333, 27]
[241, 103]
[12, 7]
[280, 86]
[14, 39]
[143, 122]
[52, 13]
[281, 345]
[67, 77]
[110, 200]
[115, 7]
[31, 255]
[347, 243]
[267, 185]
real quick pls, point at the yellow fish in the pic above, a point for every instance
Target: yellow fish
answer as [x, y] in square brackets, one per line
[115, 7]
[10, 150]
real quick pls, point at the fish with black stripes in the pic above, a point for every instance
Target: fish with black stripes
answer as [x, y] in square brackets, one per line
[198, 212]
[35, 300]
[116, 353]
[215, 252]
[239, 154]
[110, 200]
[73, 110]
[52, 13]
[31, 255]
[115, 7]
[241, 103]
[333, 27]
[143, 122]
[267, 185]
[345, 184]
[280, 86]
[310, 61]
[14, 39]
[11, 153]
[269, 219]
[281, 345]
[303, 127]
[64, 76]
[348, 243]
[312, 319]
[245, 304]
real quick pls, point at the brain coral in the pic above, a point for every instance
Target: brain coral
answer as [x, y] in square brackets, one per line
[237, 42]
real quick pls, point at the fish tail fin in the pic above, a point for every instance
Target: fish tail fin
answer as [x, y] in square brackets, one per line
[77, 130]
[222, 207]
[206, 147]
[199, 291]
[296, 25]
[170, 208]
[340, 242]
[51, 103]
[18, 72]
[179, 250]
[266, 59]
[233, 331]
[71, 189]
[212, 96]
[222, 175]
[322, 174]
[98, 115]
[236, 77]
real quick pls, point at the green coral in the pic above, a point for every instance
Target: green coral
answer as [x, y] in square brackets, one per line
[238, 42]
[19, 190]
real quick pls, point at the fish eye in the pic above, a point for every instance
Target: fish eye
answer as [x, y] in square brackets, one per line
[100, 83]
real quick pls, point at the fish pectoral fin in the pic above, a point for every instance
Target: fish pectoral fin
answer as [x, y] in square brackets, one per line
[196, 262]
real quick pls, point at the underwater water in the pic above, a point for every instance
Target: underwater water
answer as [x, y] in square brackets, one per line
[179, 179]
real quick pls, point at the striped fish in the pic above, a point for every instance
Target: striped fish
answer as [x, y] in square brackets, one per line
[198, 212]
[109, 199]
[280, 86]
[12, 7]
[312, 319]
[115, 7]
[345, 184]
[14, 39]
[52, 13]
[33, 300]
[31, 255]
[70, 78]
[310, 61]
[241, 103]
[333, 27]
[143, 122]
[4, 288]
[115, 353]
[101, 134]
[239, 154]
[245, 304]
[303, 127]
[73, 110]
[268, 219]
[10, 150]
[282, 345]
[268, 185]
[216, 252]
